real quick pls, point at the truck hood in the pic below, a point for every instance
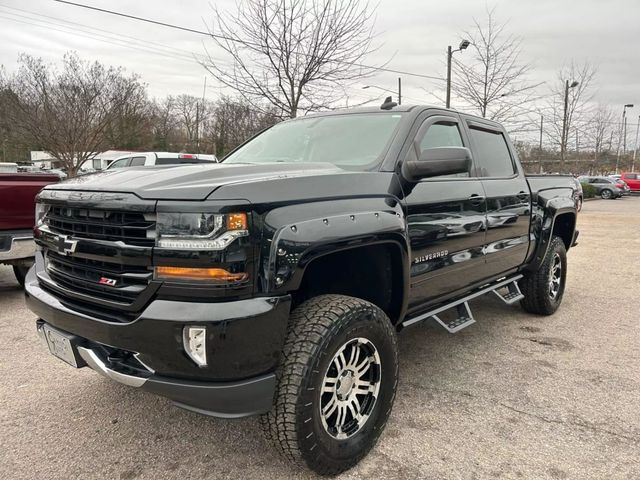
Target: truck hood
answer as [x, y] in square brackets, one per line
[189, 182]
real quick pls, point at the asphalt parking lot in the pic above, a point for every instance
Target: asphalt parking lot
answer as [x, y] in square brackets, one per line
[513, 396]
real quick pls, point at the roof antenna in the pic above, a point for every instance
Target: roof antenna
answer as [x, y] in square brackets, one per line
[388, 104]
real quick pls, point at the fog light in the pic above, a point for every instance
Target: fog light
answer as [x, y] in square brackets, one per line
[195, 344]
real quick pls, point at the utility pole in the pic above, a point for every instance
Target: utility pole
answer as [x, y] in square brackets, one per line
[463, 45]
[624, 133]
[635, 150]
[565, 132]
[197, 127]
[540, 147]
[399, 91]
[449, 55]
[204, 90]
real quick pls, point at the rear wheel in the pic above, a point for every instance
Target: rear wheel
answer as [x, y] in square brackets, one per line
[544, 288]
[336, 384]
[606, 194]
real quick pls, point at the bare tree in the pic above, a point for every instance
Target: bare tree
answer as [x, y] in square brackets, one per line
[558, 128]
[235, 121]
[188, 110]
[164, 123]
[493, 80]
[293, 54]
[68, 113]
[601, 126]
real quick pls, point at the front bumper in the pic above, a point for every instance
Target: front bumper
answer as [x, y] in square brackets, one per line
[244, 340]
[16, 246]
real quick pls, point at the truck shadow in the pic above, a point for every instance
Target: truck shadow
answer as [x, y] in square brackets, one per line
[176, 440]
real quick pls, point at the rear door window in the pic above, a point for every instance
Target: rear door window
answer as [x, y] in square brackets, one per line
[492, 153]
[137, 161]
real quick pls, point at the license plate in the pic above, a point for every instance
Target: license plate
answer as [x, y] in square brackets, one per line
[60, 345]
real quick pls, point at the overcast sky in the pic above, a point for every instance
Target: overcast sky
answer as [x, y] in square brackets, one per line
[414, 33]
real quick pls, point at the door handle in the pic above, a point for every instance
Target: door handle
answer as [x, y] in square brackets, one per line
[476, 200]
[522, 195]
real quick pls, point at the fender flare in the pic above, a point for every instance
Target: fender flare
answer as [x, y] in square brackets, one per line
[544, 226]
[294, 245]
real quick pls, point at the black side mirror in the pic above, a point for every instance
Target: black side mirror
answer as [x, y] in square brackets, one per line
[438, 161]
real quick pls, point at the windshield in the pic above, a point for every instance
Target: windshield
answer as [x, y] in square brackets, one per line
[355, 141]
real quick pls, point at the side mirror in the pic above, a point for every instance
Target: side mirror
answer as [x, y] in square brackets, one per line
[437, 161]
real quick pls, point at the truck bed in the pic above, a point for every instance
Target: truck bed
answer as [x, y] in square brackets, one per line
[17, 194]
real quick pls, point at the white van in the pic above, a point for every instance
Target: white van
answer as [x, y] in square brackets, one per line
[147, 159]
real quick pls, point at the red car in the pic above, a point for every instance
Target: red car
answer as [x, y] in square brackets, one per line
[17, 204]
[633, 180]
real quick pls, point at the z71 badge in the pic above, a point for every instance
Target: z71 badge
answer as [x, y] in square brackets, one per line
[431, 256]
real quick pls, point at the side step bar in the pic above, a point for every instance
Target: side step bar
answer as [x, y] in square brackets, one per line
[464, 317]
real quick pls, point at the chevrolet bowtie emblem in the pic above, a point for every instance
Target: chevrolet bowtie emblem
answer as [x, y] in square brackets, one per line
[64, 245]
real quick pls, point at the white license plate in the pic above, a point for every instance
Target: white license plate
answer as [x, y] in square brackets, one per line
[60, 346]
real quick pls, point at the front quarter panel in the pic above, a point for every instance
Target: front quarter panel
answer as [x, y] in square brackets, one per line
[295, 235]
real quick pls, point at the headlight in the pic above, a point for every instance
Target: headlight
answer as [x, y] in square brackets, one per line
[200, 231]
[41, 211]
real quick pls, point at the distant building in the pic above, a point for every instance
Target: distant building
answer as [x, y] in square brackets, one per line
[44, 160]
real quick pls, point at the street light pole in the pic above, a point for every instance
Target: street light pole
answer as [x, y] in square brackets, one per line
[624, 117]
[540, 147]
[565, 133]
[635, 150]
[624, 134]
[463, 45]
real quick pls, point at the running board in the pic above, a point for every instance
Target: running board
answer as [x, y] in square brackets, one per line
[511, 295]
[464, 317]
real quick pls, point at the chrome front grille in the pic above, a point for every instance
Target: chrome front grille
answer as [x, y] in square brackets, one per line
[85, 276]
[132, 228]
[107, 272]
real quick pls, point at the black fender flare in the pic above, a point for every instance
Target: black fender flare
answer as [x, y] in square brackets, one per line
[543, 224]
[290, 246]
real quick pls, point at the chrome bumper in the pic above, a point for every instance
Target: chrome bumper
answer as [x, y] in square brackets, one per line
[94, 361]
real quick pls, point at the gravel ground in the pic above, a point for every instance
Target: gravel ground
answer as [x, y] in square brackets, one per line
[513, 396]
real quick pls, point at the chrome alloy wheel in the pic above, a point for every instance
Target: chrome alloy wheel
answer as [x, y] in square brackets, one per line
[555, 277]
[350, 388]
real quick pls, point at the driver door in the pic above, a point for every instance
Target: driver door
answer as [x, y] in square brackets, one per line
[446, 219]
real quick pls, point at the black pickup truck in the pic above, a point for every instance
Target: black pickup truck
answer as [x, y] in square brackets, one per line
[275, 282]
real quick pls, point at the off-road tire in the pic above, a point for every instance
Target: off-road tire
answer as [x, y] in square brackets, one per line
[317, 330]
[20, 272]
[535, 285]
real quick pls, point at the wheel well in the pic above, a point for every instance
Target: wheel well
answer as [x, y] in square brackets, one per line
[564, 227]
[372, 273]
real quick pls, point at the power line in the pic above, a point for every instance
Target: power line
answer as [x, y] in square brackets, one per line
[97, 37]
[60, 22]
[223, 37]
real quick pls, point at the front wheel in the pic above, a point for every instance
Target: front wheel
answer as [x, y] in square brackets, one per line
[606, 194]
[336, 384]
[20, 272]
[544, 288]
